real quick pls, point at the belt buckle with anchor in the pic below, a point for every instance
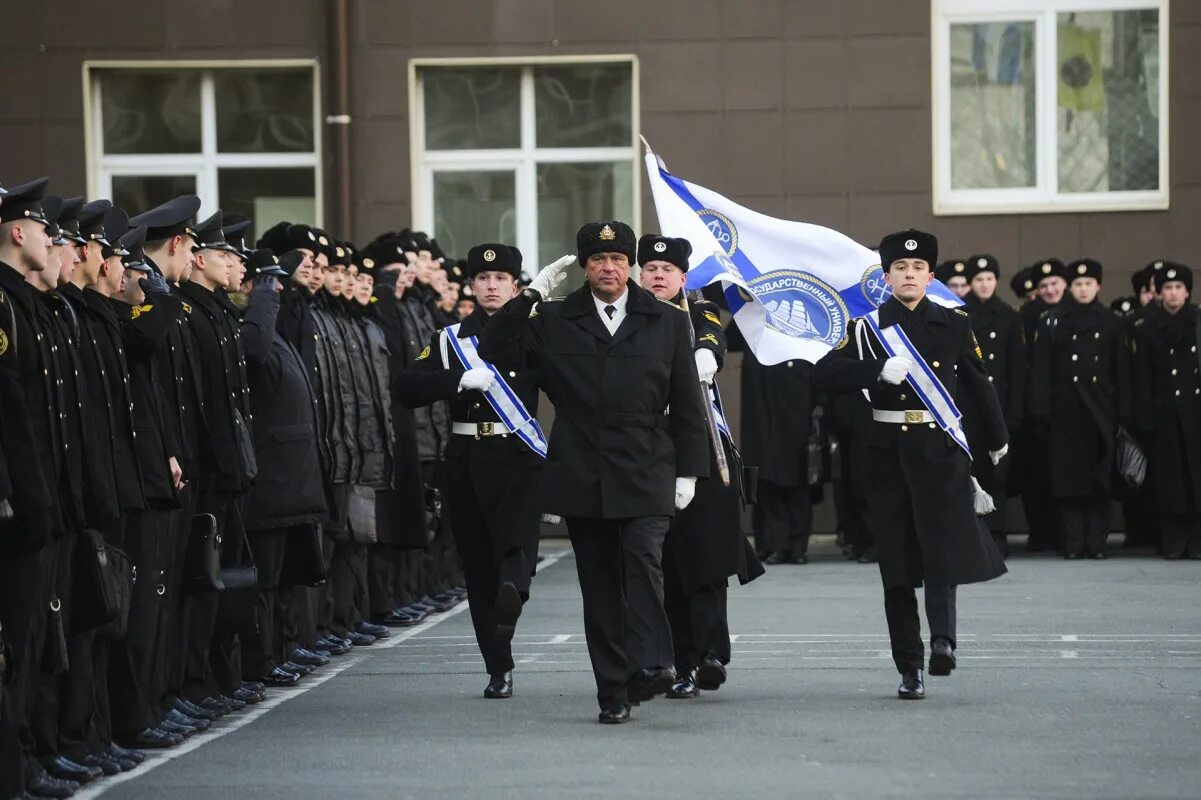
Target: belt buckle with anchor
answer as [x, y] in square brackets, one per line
[915, 417]
[484, 429]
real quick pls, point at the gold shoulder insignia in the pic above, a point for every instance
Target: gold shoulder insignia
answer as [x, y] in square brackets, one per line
[709, 315]
[424, 353]
[842, 342]
[137, 311]
[708, 337]
[959, 311]
[976, 344]
[3, 342]
[187, 309]
[373, 299]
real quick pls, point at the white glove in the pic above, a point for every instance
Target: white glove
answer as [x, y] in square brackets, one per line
[895, 369]
[706, 365]
[685, 490]
[551, 276]
[997, 455]
[480, 378]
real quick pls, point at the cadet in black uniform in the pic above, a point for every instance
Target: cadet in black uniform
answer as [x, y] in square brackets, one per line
[998, 329]
[1167, 405]
[1138, 503]
[1079, 393]
[613, 359]
[921, 507]
[705, 545]
[493, 474]
[956, 275]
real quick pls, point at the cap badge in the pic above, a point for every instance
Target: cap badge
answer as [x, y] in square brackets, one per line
[1158, 265]
[489, 255]
[369, 263]
[1046, 269]
[1029, 285]
[312, 236]
[982, 263]
[607, 234]
[660, 247]
[274, 259]
[340, 252]
[959, 266]
[910, 244]
[1171, 273]
[323, 240]
[1083, 268]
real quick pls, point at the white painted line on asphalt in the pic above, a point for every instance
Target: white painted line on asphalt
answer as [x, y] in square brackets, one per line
[562, 638]
[1069, 654]
[1069, 637]
[156, 759]
[734, 638]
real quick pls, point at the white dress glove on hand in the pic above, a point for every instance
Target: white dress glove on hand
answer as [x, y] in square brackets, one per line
[895, 369]
[997, 455]
[685, 491]
[706, 365]
[551, 276]
[480, 378]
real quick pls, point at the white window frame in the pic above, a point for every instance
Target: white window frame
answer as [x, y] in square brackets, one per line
[204, 165]
[1044, 197]
[523, 160]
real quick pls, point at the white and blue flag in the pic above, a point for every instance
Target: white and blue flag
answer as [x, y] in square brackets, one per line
[793, 287]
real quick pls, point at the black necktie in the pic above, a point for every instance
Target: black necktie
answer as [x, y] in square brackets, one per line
[610, 310]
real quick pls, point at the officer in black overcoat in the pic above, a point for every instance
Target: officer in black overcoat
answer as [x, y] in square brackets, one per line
[493, 474]
[1167, 407]
[1079, 393]
[705, 545]
[921, 505]
[613, 359]
[1138, 502]
[998, 330]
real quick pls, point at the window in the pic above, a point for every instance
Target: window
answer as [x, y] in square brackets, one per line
[243, 136]
[523, 152]
[1050, 105]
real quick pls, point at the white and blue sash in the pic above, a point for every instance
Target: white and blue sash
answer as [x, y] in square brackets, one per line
[719, 417]
[501, 397]
[929, 388]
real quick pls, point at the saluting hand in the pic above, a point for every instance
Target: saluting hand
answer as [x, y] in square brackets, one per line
[706, 365]
[551, 276]
[895, 369]
[480, 379]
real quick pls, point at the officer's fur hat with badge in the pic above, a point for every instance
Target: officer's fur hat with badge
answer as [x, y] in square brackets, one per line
[653, 247]
[983, 262]
[1172, 271]
[605, 237]
[956, 267]
[1049, 268]
[1085, 268]
[493, 257]
[911, 243]
[1022, 282]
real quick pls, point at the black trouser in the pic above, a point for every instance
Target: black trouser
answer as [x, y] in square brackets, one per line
[1043, 521]
[56, 663]
[699, 625]
[905, 625]
[205, 643]
[138, 664]
[175, 643]
[619, 563]
[1085, 522]
[348, 579]
[783, 519]
[1181, 534]
[259, 625]
[25, 588]
[383, 564]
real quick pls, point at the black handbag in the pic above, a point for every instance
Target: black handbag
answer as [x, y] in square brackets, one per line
[202, 563]
[245, 442]
[304, 558]
[1131, 461]
[103, 587]
[241, 572]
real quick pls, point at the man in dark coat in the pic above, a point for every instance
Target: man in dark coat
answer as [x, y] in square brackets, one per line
[1167, 406]
[492, 473]
[1079, 393]
[612, 359]
[705, 545]
[1138, 502]
[998, 329]
[921, 509]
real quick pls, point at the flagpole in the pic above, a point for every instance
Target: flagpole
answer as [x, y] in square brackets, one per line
[719, 452]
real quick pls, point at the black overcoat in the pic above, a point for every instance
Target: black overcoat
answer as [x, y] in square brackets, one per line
[615, 451]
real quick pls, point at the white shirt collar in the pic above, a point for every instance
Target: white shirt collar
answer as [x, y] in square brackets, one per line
[618, 315]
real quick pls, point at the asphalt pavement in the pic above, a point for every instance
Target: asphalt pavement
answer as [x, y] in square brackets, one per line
[1076, 680]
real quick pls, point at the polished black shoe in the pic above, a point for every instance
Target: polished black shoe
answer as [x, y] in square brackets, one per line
[711, 674]
[152, 739]
[649, 683]
[378, 631]
[780, 557]
[335, 645]
[123, 754]
[436, 605]
[307, 657]
[397, 618]
[46, 785]
[869, 556]
[234, 703]
[250, 697]
[685, 686]
[912, 687]
[417, 610]
[614, 714]
[192, 710]
[279, 677]
[176, 738]
[254, 686]
[186, 731]
[448, 598]
[1099, 556]
[508, 610]
[216, 705]
[500, 687]
[191, 722]
[942, 658]
[360, 639]
[65, 769]
[105, 764]
[1071, 556]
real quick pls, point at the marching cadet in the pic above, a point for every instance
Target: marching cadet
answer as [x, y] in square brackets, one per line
[913, 357]
[1167, 404]
[955, 274]
[612, 359]
[705, 545]
[1022, 285]
[1079, 392]
[998, 329]
[494, 460]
